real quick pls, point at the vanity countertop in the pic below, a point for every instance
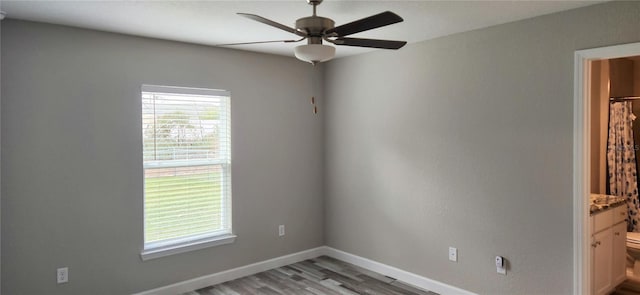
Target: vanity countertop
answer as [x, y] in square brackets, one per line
[603, 202]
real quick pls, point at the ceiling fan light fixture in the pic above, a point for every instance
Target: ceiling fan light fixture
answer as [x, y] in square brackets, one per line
[315, 53]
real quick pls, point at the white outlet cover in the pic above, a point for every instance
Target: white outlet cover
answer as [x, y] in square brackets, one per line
[281, 230]
[62, 275]
[501, 265]
[453, 254]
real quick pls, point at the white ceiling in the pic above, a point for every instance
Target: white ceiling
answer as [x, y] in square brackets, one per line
[215, 22]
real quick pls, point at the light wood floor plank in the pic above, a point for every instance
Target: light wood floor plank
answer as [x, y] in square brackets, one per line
[320, 276]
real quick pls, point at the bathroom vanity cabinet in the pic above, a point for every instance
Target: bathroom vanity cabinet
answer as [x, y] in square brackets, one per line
[609, 251]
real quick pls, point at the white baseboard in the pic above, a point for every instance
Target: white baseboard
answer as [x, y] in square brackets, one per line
[396, 273]
[232, 274]
[247, 270]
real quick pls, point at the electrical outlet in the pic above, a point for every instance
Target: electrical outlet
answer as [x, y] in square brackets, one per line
[501, 265]
[281, 230]
[453, 254]
[63, 275]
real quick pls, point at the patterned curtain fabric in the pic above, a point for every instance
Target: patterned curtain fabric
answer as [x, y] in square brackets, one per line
[621, 160]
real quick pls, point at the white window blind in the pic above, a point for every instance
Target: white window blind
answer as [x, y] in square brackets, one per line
[187, 165]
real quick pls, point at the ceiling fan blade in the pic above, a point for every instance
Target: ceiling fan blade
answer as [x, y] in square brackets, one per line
[373, 43]
[375, 21]
[272, 23]
[259, 42]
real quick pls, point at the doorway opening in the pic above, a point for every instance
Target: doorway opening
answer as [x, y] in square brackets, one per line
[588, 66]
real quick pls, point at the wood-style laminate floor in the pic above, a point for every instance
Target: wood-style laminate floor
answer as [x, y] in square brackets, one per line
[318, 276]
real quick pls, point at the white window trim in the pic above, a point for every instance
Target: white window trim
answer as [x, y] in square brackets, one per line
[187, 244]
[191, 245]
[184, 90]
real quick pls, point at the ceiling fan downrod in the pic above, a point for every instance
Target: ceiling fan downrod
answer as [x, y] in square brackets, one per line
[314, 3]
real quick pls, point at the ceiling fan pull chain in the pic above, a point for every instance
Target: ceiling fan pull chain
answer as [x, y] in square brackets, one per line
[313, 74]
[313, 102]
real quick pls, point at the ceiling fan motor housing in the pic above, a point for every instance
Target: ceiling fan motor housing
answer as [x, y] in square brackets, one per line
[314, 26]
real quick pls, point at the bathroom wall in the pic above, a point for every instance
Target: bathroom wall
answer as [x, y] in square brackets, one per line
[621, 77]
[636, 75]
[599, 121]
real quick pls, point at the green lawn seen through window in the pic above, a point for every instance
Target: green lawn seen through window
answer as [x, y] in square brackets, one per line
[179, 205]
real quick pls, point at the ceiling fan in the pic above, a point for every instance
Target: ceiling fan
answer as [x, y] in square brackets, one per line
[316, 28]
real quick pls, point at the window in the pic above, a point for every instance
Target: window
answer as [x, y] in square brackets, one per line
[187, 169]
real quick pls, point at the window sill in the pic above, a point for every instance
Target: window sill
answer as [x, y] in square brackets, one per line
[154, 253]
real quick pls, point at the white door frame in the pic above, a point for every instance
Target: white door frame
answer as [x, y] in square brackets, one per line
[581, 161]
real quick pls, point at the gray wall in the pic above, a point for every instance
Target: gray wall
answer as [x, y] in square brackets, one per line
[461, 141]
[72, 165]
[0, 160]
[464, 141]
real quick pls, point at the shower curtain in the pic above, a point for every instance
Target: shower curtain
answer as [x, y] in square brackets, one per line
[621, 160]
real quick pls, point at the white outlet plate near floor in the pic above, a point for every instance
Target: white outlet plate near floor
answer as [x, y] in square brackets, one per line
[453, 254]
[62, 275]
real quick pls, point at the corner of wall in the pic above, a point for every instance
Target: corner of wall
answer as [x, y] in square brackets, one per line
[319, 87]
[0, 160]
